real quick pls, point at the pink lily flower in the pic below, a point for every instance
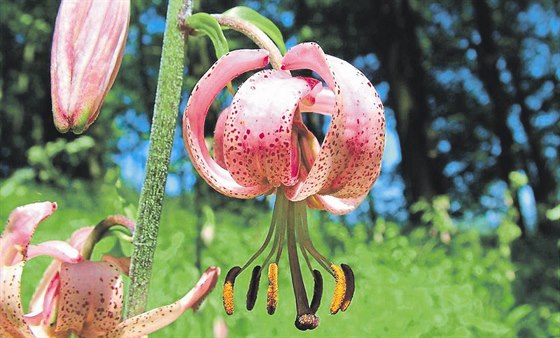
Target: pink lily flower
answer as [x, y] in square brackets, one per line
[75, 295]
[261, 146]
[88, 45]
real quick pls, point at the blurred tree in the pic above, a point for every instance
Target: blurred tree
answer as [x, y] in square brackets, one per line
[25, 31]
[468, 106]
[472, 85]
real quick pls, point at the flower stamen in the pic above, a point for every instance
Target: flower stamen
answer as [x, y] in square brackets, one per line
[339, 288]
[253, 287]
[289, 224]
[349, 276]
[228, 289]
[317, 291]
[272, 294]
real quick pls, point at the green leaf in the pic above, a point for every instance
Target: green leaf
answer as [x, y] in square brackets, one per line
[554, 213]
[263, 23]
[518, 179]
[207, 24]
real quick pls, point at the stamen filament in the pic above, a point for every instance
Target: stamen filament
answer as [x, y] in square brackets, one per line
[278, 206]
[301, 247]
[278, 239]
[304, 253]
[305, 241]
[281, 236]
[289, 223]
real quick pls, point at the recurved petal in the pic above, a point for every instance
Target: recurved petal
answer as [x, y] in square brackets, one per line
[335, 205]
[223, 71]
[76, 242]
[320, 100]
[122, 263]
[156, 319]
[60, 250]
[219, 138]
[90, 300]
[260, 145]
[364, 136]
[11, 311]
[43, 292]
[43, 314]
[350, 156]
[78, 237]
[22, 222]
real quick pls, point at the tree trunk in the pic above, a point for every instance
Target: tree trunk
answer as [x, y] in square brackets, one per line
[401, 57]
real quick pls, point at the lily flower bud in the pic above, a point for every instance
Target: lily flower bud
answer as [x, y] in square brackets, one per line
[87, 50]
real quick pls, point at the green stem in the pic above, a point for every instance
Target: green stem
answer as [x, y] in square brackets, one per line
[101, 229]
[169, 85]
[255, 34]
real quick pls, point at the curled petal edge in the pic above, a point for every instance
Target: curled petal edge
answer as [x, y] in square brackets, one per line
[14, 242]
[334, 205]
[156, 319]
[349, 160]
[223, 71]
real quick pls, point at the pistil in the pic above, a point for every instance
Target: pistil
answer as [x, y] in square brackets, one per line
[305, 320]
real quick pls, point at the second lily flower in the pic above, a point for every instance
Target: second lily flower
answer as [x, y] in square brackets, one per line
[261, 146]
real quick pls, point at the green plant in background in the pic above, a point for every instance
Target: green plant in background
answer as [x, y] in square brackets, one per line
[410, 283]
[46, 160]
[428, 281]
[76, 295]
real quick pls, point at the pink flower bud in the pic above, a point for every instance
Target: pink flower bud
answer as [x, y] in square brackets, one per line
[220, 328]
[87, 50]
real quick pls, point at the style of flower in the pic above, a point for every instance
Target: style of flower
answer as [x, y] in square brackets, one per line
[261, 146]
[88, 45]
[76, 295]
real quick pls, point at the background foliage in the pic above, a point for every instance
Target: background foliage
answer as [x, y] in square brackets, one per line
[460, 234]
[423, 282]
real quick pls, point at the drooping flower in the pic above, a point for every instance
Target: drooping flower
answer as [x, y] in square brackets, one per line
[261, 146]
[87, 50]
[76, 295]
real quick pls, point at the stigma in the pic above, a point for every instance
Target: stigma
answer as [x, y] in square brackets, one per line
[289, 228]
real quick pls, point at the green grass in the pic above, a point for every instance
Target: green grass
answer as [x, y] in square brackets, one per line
[409, 285]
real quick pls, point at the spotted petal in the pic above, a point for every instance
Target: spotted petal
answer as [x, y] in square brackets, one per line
[13, 250]
[56, 249]
[156, 319]
[222, 72]
[350, 157]
[79, 237]
[90, 300]
[335, 205]
[21, 225]
[260, 145]
[320, 100]
[39, 301]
